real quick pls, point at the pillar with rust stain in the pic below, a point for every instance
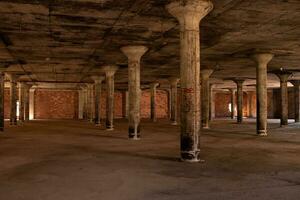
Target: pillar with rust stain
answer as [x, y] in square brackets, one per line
[189, 14]
[153, 87]
[13, 98]
[296, 84]
[262, 60]
[239, 101]
[1, 100]
[283, 76]
[134, 54]
[97, 101]
[110, 92]
[173, 100]
[205, 93]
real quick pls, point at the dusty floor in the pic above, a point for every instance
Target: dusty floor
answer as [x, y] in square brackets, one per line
[73, 160]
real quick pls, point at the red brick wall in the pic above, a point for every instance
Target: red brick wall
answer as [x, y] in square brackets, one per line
[6, 104]
[161, 104]
[55, 104]
[222, 101]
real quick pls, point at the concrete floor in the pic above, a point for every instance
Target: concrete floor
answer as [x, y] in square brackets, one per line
[73, 160]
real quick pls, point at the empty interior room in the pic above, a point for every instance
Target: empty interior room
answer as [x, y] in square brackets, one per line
[149, 99]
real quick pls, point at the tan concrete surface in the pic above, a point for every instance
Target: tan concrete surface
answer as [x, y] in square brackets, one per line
[74, 160]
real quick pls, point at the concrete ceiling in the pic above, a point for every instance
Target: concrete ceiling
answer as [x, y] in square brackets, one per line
[66, 41]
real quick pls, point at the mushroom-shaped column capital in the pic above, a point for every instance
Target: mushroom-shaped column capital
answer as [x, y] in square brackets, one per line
[97, 79]
[134, 52]
[189, 12]
[206, 73]
[110, 70]
[239, 81]
[262, 58]
[154, 85]
[283, 76]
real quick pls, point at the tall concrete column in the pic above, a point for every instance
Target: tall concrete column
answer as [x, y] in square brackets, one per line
[31, 103]
[13, 98]
[91, 114]
[169, 97]
[134, 54]
[262, 60]
[21, 101]
[97, 101]
[26, 101]
[205, 93]
[127, 105]
[284, 76]
[153, 87]
[212, 110]
[239, 101]
[110, 92]
[232, 103]
[174, 83]
[2, 75]
[85, 105]
[296, 84]
[189, 13]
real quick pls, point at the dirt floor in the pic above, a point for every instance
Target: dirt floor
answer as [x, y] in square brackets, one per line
[74, 160]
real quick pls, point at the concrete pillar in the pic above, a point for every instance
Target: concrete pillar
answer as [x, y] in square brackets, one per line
[212, 110]
[97, 99]
[262, 60]
[2, 99]
[169, 102]
[13, 98]
[127, 104]
[189, 14]
[173, 101]
[31, 103]
[153, 87]
[284, 76]
[134, 54]
[81, 103]
[26, 101]
[91, 114]
[85, 106]
[110, 92]
[296, 84]
[239, 101]
[21, 102]
[205, 93]
[232, 101]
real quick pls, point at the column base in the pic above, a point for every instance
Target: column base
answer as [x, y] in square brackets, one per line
[190, 156]
[135, 138]
[262, 133]
[110, 129]
[174, 123]
[98, 124]
[134, 132]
